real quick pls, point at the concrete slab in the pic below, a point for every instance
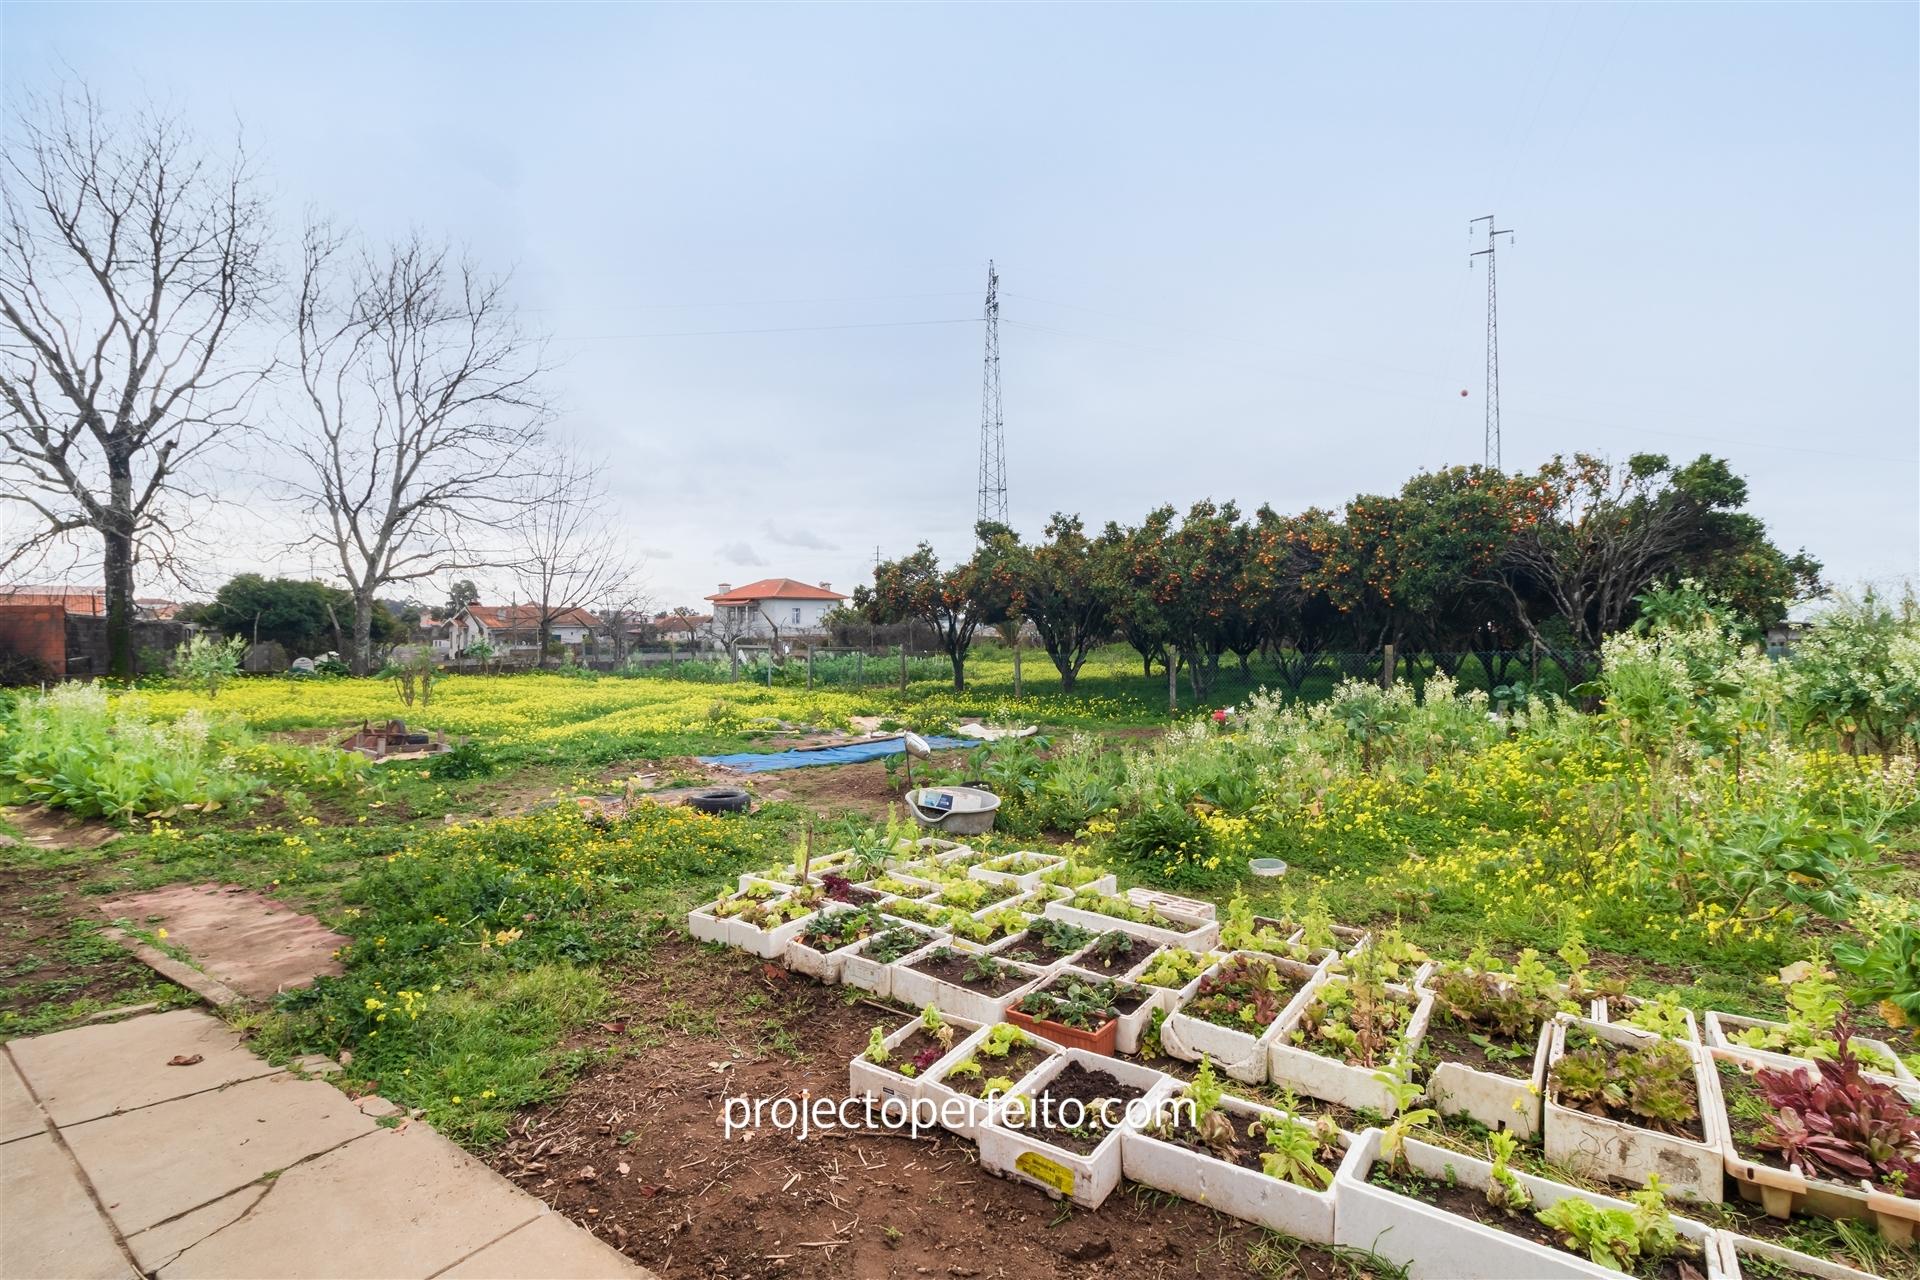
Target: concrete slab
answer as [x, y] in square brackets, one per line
[158, 1245]
[96, 1071]
[52, 1225]
[548, 1248]
[154, 1163]
[402, 1202]
[19, 1115]
[252, 943]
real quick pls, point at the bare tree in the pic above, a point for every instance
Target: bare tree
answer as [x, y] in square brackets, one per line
[566, 551]
[129, 262]
[425, 413]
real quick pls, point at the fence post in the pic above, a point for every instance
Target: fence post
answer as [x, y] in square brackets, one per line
[671, 669]
[1019, 691]
[903, 666]
[1173, 684]
[860, 668]
[1386, 666]
[809, 666]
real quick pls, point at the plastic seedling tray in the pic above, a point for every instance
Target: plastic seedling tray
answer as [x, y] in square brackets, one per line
[1334, 1080]
[1233, 1189]
[1601, 1147]
[1785, 1192]
[1436, 1245]
[1721, 1028]
[1244, 1055]
[1087, 1179]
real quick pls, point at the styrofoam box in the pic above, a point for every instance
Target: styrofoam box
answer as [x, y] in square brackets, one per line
[1243, 1055]
[1247, 1194]
[1088, 1179]
[1332, 1080]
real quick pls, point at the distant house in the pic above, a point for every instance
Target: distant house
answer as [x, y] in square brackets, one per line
[686, 630]
[503, 627]
[782, 606]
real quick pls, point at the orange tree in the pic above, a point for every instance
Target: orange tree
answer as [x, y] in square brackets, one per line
[1059, 586]
[954, 602]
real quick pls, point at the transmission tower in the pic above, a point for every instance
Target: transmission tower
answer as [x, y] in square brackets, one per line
[993, 441]
[1492, 446]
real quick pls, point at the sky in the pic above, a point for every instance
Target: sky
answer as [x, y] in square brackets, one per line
[1232, 242]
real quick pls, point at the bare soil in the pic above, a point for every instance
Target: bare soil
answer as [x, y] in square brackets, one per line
[952, 968]
[1451, 1042]
[1089, 1088]
[833, 790]
[45, 963]
[1112, 963]
[635, 1152]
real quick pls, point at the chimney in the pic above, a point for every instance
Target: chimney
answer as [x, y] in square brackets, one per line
[826, 586]
[724, 588]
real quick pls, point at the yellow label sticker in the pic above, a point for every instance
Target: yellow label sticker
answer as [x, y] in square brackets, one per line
[1046, 1172]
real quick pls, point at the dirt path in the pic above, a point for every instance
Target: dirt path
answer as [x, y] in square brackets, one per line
[635, 1152]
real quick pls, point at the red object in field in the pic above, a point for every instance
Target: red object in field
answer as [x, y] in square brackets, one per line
[1220, 715]
[1100, 1041]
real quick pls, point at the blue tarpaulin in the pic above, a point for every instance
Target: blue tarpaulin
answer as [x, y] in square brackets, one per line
[806, 757]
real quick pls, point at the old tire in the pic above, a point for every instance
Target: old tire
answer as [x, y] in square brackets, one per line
[721, 800]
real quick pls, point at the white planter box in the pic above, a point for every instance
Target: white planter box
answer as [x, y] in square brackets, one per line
[884, 1086]
[1086, 1180]
[1436, 1245]
[1107, 884]
[1615, 1009]
[1784, 1192]
[748, 879]
[1195, 935]
[966, 1120]
[923, 888]
[1027, 880]
[769, 944]
[1247, 1194]
[1171, 998]
[910, 986]
[825, 966]
[1733, 1247]
[1602, 1148]
[1132, 1026]
[707, 927]
[859, 970]
[1332, 1080]
[1172, 904]
[1240, 1054]
[1496, 1101]
[1721, 1028]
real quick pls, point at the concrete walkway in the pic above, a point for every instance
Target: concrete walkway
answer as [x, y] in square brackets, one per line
[114, 1163]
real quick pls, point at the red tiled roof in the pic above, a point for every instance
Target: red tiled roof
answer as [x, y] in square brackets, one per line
[679, 622]
[526, 617]
[775, 589]
[72, 599]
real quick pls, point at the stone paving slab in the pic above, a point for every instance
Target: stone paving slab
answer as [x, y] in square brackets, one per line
[19, 1118]
[548, 1248]
[254, 944]
[231, 1168]
[151, 1164]
[52, 1227]
[402, 1202]
[90, 1072]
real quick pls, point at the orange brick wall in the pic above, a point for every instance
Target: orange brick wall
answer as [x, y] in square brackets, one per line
[37, 632]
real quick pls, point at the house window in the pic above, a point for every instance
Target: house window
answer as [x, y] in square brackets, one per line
[796, 617]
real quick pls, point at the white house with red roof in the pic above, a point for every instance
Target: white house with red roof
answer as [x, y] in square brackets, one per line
[772, 606]
[517, 626]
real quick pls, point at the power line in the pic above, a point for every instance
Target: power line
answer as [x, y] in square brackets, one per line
[993, 441]
[798, 328]
[1491, 445]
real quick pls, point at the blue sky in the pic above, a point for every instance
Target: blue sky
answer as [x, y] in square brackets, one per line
[1232, 242]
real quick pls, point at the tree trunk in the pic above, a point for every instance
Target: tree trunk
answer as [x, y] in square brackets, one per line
[541, 639]
[363, 631]
[959, 671]
[117, 567]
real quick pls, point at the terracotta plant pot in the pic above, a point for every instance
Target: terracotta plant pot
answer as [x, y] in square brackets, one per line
[1099, 1041]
